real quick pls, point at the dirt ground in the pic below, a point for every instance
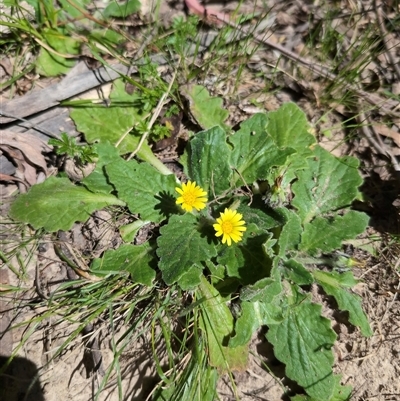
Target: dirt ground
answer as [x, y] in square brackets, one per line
[370, 365]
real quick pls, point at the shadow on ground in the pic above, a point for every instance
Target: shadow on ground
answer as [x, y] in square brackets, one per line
[19, 380]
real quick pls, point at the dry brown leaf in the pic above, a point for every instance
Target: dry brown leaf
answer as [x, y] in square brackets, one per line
[28, 173]
[75, 172]
[25, 172]
[25, 151]
[30, 145]
[389, 133]
[14, 154]
[10, 178]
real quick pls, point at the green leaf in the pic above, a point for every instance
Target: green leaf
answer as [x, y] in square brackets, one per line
[217, 272]
[246, 260]
[327, 234]
[328, 184]
[107, 124]
[254, 151]
[253, 316]
[261, 305]
[57, 203]
[341, 393]
[106, 37]
[192, 278]
[74, 7]
[208, 161]
[97, 180]
[303, 341]
[112, 123]
[207, 110]
[263, 290]
[290, 235]
[261, 215]
[288, 126]
[120, 97]
[181, 248]
[297, 273]
[51, 64]
[335, 284]
[217, 322]
[145, 190]
[128, 231]
[135, 259]
[121, 10]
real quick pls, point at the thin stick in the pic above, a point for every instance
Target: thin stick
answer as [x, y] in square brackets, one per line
[156, 113]
[311, 65]
[376, 141]
[382, 30]
[30, 125]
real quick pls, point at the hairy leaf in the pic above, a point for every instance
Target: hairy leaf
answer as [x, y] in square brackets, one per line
[303, 341]
[327, 234]
[57, 204]
[336, 284]
[255, 152]
[181, 247]
[328, 184]
[208, 162]
[217, 322]
[112, 123]
[288, 126]
[144, 189]
[135, 259]
[207, 110]
[97, 180]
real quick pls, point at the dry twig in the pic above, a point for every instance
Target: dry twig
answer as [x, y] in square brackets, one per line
[385, 106]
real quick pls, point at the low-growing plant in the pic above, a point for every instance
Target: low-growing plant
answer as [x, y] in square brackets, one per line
[242, 238]
[67, 146]
[58, 31]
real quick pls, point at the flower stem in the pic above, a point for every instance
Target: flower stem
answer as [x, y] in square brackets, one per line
[146, 154]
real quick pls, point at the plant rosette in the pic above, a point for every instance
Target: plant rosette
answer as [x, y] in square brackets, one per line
[231, 233]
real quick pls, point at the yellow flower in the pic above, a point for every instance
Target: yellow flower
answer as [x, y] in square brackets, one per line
[230, 225]
[192, 196]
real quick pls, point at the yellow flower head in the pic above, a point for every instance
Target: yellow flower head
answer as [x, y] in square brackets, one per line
[192, 196]
[230, 225]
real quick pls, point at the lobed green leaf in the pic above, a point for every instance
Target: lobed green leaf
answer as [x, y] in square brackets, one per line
[290, 234]
[205, 109]
[246, 261]
[135, 259]
[208, 161]
[110, 123]
[288, 126]
[328, 184]
[121, 10]
[97, 180]
[144, 189]
[254, 151]
[303, 341]
[182, 248]
[327, 234]
[296, 272]
[336, 284]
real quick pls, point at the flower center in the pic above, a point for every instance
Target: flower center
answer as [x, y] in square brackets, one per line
[189, 198]
[227, 227]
